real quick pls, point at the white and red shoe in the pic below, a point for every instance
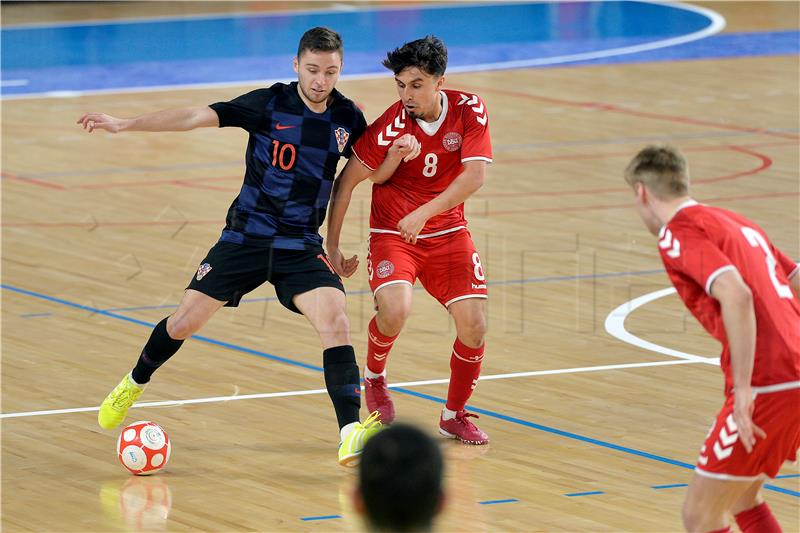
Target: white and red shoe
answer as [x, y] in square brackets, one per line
[377, 395]
[462, 429]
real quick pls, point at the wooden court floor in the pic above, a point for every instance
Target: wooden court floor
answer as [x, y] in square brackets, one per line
[100, 234]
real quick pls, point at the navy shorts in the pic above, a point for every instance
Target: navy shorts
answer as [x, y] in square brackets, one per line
[229, 271]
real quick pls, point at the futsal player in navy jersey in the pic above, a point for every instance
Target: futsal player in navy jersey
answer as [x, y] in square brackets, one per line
[298, 132]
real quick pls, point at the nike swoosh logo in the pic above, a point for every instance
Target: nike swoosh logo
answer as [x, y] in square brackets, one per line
[279, 126]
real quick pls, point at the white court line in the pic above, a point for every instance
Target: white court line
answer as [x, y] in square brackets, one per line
[717, 25]
[615, 326]
[170, 403]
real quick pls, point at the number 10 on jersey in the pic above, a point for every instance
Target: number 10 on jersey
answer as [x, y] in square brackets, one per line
[284, 156]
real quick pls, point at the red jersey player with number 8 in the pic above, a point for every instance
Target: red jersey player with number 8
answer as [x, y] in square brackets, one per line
[744, 291]
[426, 155]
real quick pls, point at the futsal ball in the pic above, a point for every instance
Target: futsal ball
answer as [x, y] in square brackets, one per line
[143, 448]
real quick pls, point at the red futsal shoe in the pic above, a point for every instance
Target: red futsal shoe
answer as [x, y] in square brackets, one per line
[378, 399]
[462, 429]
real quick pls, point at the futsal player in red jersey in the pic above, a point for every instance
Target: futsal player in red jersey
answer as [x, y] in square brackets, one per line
[744, 291]
[426, 155]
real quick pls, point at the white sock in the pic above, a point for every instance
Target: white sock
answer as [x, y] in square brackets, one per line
[447, 414]
[130, 377]
[372, 375]
[345, 431]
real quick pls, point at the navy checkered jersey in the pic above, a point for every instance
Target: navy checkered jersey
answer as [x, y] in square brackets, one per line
[291, 157]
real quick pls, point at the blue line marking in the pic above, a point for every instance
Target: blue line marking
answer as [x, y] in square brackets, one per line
[200, 338]
[590, 493]
[787, 476]
[35, 315]
[409, 392]
[328, 517]
[495, 502]
[672, 486]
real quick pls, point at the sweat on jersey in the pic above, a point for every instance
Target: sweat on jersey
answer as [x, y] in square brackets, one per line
[701, 242]
[291, 163]
[460, 134]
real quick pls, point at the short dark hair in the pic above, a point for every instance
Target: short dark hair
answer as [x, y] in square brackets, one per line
[400, 479]
[320, 39]
[662, 168]
[428, 54]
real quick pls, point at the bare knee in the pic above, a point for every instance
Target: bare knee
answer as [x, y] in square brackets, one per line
[392, 318]
[692, 516]
[472, 331]
[335, 330]
[181, 326]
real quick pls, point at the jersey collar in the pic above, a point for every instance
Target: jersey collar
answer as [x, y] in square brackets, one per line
[430, 128]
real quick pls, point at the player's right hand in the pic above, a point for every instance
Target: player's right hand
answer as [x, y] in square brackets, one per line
[344, 267]
[743, 407]
[406, 147]
[100, 121]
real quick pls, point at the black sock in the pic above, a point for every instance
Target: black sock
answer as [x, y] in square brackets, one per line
[160, 347]
[343, 383]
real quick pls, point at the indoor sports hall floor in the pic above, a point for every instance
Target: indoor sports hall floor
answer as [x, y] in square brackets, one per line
[597, 387]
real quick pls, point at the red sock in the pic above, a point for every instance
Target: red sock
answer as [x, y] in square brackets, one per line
[726, 529]
[378, 347]
[465, 367]
[759, 519]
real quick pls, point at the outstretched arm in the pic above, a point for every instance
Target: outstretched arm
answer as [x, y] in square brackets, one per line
[177, 119]
[736, 303]
[469, 181]
[354, 173]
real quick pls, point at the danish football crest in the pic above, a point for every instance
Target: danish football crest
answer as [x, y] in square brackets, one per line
[204, 269]
[341, 138]
[385, 269]
[451, 141]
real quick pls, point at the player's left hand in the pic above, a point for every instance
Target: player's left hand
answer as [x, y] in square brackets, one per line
[411, 225]
[743, 417]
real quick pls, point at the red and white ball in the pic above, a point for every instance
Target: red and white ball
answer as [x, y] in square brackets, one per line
[143, 448]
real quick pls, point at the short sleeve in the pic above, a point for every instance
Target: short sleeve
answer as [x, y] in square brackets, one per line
[247, 111]
[371, 148]
[477, 144]
[688, 250]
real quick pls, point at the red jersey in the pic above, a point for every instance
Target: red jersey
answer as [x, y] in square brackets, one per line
[702, 242]
[460, 134]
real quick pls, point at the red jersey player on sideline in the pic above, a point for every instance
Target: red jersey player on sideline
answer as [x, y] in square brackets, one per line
[426, 154]
[744, 291]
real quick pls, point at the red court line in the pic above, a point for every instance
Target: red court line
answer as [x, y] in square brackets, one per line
[630, 204]
[625, 111]
[32, 181]
[219, 221]
[765, 163]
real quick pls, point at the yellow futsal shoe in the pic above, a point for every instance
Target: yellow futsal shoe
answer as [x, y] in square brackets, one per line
[115, 407]
[353, 444]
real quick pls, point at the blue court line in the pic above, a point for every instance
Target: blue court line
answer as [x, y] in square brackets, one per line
[486, 412]
[590, 493]
[672, 486]
[787, 476]
[200, 338]
[328, 517]
[35, 315]
[577, 437]
[495, 502]
[367, 291]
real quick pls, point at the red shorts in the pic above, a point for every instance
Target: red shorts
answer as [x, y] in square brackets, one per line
[723, 456]
[448, 266]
